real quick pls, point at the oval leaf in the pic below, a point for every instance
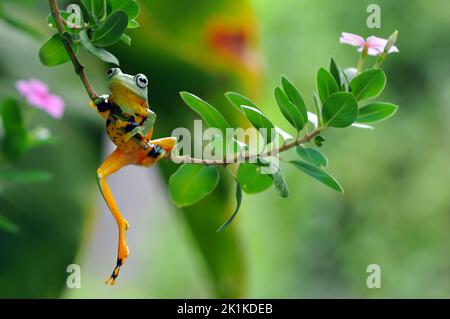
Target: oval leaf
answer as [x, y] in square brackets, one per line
[318, 174]
[294, 96]
[96, 8]
[326, 84]
[376, 112]
[237, 100]
[209, 113]
[260, 121]
[289, 110]
[280, 184]
[340, 110]
[251, 179]
[53, 52]
[238, 205]
[190, 183]
[335, 72]
[102, 54]
[130, 7]
[312, 156]
[111, 30]
[369, 84]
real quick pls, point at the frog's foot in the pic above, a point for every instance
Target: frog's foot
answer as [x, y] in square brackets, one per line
[156, 151]
[122, 255]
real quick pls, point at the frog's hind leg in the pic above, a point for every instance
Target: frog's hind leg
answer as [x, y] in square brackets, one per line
[112, 164]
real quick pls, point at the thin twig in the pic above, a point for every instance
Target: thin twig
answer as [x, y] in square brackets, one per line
[79, 70]
[239, 159]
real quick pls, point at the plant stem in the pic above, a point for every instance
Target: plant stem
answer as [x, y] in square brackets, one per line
[79, 70]
[237, 159]
[362, 59]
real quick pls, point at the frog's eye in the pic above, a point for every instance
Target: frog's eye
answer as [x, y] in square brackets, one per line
[111, 72]
[141, 81]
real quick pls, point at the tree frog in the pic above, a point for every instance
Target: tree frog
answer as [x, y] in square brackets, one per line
[129, 125]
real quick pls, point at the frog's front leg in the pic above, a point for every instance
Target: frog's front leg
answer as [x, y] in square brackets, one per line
[140, 129]
[103, 106]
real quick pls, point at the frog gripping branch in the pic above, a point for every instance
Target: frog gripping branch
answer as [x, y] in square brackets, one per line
[340, 101]
[128, 116]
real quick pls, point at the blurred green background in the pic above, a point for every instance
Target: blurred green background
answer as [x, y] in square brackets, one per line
[317, 243]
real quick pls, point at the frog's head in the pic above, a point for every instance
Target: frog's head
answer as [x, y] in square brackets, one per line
[127, 89]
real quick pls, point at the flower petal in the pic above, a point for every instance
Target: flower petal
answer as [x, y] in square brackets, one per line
[38, 86]
[394, 49]
[372, 51]
[22, 87]
[54, 106]
[352, 39]
[37, 100]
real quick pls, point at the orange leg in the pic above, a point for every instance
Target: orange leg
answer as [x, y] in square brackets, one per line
[112, 164]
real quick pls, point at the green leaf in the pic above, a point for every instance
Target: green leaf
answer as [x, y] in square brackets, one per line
[190, 183]
[209, 113]
[318, 174]
[23, 176]
[15, 140]
[53, 52]
[312, 156]
[280, 183]
[96, 8]
[111, 30]
[260, 122]
[335, 72]
[133, 24]
[250, 178]
[237, 100]
[340, 110]
[125, 39]
[52, 23]
[238, 205]
[318, 140]
[291, 112]
[8, 226]
[369, 84]
[326, 84]
[130, 7]
[318, 109]
[376, 112]
[294, 96]
[102, 54]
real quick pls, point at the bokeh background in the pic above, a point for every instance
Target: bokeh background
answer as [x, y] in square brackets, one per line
[317, 243]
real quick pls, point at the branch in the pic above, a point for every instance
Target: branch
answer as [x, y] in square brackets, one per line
[79, 70]
[237, 159]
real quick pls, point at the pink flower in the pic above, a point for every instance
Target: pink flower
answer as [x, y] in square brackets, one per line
[374, 45]
[38, 95]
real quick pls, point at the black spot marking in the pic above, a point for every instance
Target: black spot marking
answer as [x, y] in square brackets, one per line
[130, 126]
[155, 151]
[104, 106]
